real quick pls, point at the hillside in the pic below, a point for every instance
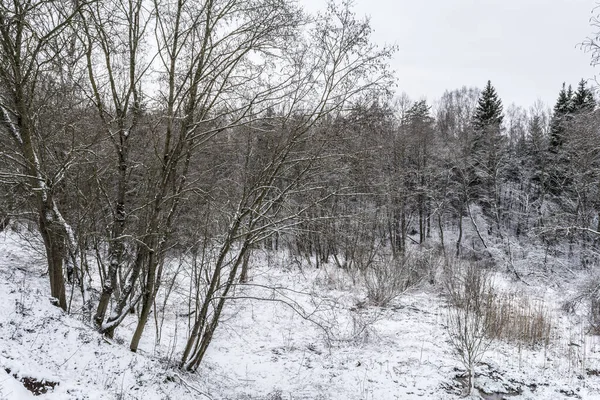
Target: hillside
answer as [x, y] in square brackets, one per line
[291, 333]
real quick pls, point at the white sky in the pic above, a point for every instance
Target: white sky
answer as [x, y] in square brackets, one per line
[526, 47]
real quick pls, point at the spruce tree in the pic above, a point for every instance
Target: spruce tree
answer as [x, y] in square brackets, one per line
[562, 111]
[486, 150]
[583, 99]
[487, 123]
[569, 105]
[418, 114]
[536, 150]
[488, 113]
[536, 133]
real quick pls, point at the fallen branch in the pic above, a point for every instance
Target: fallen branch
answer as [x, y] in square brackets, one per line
[190, 387]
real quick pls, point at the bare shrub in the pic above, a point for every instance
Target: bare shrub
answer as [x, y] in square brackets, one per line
[469, 324]
[387, 277]
[430, 262]
[588, 295]
[480, 314]
[468, 286]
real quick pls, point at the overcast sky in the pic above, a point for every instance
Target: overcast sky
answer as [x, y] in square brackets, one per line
[527, 48]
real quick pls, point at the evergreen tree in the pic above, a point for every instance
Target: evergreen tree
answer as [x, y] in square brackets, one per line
[487, 124]
[569, 106]
[536, 133]
[487, 151]
[536, 150]
[488, 113]
[562, 111]
[420, 137]
[583, 99]
[418, 116]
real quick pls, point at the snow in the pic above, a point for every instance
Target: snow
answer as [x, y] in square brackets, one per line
[331, 345]
[11, 388]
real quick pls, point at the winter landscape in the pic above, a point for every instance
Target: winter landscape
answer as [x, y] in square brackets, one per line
[229, 199]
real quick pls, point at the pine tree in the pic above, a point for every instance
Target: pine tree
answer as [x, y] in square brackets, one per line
[583, 99]
[562, 111]
[569, 105]
[418, 116]
[419, 126]
[487, 150]
[536, 133]
[488, 113]
[487, 124]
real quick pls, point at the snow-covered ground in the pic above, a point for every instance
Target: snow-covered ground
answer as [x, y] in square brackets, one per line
[313, 337]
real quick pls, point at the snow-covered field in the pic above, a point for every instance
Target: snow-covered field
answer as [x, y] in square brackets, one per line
[293, 333]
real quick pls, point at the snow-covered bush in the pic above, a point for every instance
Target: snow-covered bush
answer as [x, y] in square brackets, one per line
[588, 296]
[387, 277]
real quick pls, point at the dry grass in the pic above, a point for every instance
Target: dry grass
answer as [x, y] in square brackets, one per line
[518, 319]
[510, 317]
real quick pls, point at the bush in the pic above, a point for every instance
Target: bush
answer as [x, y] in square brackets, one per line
[479, 314]
[588, 295]
[469, 325]
[388, 277]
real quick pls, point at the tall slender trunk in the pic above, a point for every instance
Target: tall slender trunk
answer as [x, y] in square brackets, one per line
[54, 242]
[441, 227]
[403, 229]
[150, 289]
[204, 341]
[51, 229]
[160, 225]
[245, 267]
[421, 221]
[460, 229]
[116, 245]
[428, 220]
[125, 301]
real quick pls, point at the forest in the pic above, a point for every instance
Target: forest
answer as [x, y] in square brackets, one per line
[136, 134]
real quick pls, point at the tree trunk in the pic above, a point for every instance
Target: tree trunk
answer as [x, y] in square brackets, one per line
[54, 243]
[460, 231]
[150, 289]
[244, 271]
[442, 237]
[421, 221]
[4, 221]
[126, 296]
[116, 244]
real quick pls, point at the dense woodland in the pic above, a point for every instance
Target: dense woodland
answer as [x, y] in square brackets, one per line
[133, 132]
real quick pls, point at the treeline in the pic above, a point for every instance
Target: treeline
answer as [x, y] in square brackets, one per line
[409, 173]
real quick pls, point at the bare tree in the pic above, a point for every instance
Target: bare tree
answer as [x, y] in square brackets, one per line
[32, 39]
[333, 64]
[113, 37]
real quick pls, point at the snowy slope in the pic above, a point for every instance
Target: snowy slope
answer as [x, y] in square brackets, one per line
[269, 350]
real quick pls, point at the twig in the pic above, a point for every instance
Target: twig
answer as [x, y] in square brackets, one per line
[187, 385]
[71, 356]
[476, 227]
